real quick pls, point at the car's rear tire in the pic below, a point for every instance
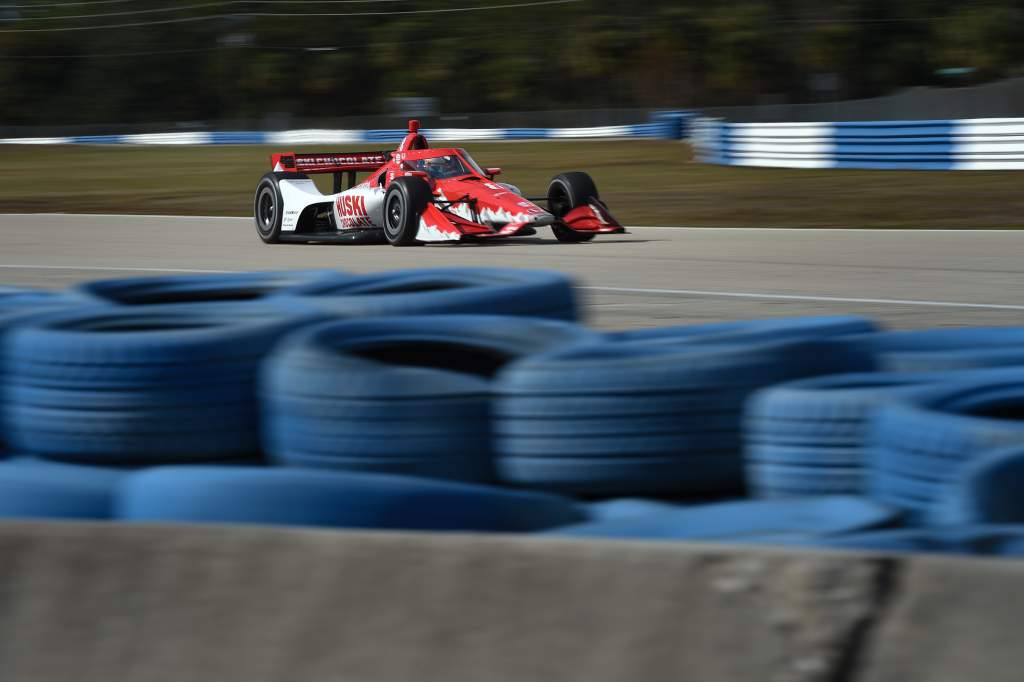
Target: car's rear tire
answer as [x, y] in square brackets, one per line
[267, 209]
[565, 192]
[404, 203]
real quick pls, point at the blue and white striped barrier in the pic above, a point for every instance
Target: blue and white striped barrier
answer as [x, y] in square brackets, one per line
[664, 125]
[970, 144]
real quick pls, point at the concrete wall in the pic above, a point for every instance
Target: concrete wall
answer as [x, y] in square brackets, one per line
[152, 604]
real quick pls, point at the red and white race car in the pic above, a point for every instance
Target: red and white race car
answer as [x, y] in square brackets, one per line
[417, 194]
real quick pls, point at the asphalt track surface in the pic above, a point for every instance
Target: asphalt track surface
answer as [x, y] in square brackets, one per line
[652, 276]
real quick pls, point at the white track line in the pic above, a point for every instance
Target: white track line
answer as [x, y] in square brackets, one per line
[797, 297]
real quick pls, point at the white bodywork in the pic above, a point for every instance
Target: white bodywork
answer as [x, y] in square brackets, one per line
[361, 206]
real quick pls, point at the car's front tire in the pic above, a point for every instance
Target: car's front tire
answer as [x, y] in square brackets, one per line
[267, 209]
[565, 192]
[404, 203]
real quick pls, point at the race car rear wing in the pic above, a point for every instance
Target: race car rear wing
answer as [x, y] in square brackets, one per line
[342, 162]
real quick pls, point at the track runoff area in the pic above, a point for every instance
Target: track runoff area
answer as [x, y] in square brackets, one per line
[651, 276]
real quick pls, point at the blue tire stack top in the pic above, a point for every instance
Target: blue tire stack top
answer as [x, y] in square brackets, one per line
[945, 349]
[223, 288]
[493, 291]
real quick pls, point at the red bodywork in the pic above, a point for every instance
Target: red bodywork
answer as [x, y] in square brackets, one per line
[468, 205]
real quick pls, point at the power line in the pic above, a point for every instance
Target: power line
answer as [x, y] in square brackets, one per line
[211, 17]
[313, 2]
[178, 8]
[112, 26]
[101, 55]
[66, 4]
[263, 48]
[411, 11]
[894, 20]
[119, 14]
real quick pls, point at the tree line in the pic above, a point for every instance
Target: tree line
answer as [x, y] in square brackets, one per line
[233, 61]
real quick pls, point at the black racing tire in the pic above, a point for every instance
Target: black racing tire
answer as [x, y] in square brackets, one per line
[404, 203]
[267, 209]
[565, 192]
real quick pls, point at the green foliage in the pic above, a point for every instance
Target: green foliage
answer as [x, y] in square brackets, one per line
[592, 53]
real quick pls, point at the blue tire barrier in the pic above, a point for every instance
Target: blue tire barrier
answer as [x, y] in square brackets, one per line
[205, 288]
[777, 329]
[138, 385]
[976, 540]
[769, 481]
[920, 445]
[299, 497]
[634, 418]
[402, 395]
[15, 300]
[497, 291]
[987, 491]
[626, 508]
[692, 474]
[808, 437]
[38, 489]
[19, 307]
[745, 521]
[946, 349]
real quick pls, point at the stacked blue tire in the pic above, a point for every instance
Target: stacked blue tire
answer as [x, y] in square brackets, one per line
[18, 305]
[809, 437]
[920, 446]
[118, 385]
[642, 419]
[409, 395]
[987, 491]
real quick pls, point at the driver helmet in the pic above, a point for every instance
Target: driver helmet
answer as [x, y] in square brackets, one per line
[441, 166]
